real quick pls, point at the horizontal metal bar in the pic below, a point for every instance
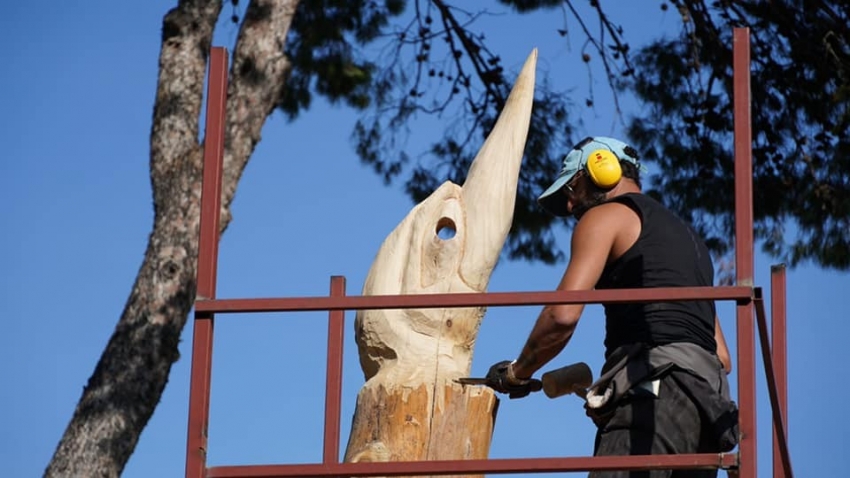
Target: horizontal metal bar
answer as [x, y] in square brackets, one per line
[482, 299]
[491, 466]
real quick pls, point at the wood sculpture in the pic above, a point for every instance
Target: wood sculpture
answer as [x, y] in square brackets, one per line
[410, 408]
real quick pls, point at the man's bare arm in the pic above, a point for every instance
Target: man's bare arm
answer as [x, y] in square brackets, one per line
[722, 349]
[592, 241]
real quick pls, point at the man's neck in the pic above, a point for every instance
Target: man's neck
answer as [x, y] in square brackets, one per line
[625, 186]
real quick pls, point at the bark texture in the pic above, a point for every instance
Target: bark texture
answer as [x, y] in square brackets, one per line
[129, 379]
[410, 408]
[447, 423]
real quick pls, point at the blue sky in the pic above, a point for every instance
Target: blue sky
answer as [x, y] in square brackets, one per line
[77, 92]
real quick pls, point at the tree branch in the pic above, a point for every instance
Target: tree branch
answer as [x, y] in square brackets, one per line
[257, 78]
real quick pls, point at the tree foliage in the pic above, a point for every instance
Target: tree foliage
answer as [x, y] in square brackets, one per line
[800, 85]
[436, 64]
[800, 116]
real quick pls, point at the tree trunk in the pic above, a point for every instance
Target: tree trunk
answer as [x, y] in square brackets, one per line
[410, 409]
[129, 379]
[449, 423]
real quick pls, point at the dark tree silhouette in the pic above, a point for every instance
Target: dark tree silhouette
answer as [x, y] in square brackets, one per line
[800, 105]
[800, 110]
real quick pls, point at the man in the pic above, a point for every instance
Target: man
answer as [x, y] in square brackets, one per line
[663, 388]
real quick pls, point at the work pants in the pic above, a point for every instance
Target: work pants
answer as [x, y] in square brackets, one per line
[645, 424]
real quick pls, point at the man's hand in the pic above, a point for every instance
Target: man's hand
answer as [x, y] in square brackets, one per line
[501, 378]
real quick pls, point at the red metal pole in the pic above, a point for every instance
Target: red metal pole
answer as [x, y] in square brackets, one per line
[744, 250]
[770, 375]
[333, 383]
[779, 344]
[202, 340]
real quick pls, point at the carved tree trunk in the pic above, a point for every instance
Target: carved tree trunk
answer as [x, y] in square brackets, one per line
[410, 407]
[129, 379]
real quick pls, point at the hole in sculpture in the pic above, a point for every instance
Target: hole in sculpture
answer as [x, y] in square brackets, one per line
[445, 228]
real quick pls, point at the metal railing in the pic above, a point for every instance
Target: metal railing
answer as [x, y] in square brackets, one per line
[748, 300]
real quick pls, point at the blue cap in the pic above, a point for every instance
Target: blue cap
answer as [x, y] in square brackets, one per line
[555, 203]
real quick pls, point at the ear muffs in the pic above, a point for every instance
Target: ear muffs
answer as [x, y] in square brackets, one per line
[604, 169]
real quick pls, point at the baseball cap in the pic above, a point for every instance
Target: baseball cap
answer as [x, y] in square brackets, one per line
[555, 203]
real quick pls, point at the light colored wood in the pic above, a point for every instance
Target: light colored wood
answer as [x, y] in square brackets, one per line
[455, 424]
[410, 408]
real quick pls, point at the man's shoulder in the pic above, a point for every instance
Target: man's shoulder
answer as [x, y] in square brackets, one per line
[611, 215]
[614, 223]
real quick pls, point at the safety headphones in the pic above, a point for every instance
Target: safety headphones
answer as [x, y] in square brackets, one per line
[603, 168]
[603, 165]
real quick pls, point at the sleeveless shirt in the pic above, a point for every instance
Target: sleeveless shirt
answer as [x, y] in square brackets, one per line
[668, 253]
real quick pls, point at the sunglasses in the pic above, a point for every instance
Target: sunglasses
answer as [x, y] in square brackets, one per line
[568, 188]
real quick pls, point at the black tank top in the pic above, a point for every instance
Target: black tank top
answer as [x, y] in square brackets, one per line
[668, 253]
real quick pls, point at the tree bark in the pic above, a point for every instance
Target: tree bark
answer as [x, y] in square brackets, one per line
[447, 423]
[129, 379]
[410, 408]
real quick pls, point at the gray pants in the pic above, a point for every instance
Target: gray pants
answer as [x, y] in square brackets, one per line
[643, 424]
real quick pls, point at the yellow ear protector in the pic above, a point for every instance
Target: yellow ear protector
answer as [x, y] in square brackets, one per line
[604, 169]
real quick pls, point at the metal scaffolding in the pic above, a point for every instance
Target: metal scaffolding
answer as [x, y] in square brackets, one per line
[749, 306]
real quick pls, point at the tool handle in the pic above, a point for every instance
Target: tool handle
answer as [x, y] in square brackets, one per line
[573, 378]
